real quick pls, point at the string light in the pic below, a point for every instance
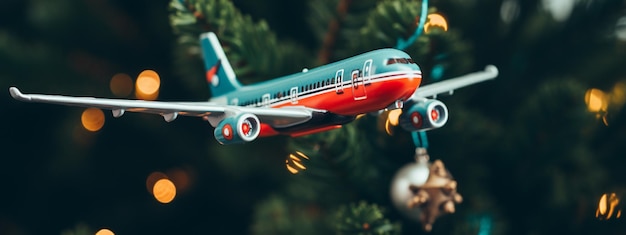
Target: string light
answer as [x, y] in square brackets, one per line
[164, 191]
[180, 178]
[153, 178]
[294, 162]
[607, 207]
[121, 85]
[105, 231]
[436, 20]
[393, 119]
[618, 94]
[92, 119]
[147, 85]
[596, 100]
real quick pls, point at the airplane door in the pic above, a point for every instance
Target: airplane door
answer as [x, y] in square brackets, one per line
[293, 94]
[339, 82]
[367, 70]
[358, 89]
[266, 100]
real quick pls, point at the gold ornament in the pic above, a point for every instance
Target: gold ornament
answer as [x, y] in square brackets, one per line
[425, 191]
[437, 196]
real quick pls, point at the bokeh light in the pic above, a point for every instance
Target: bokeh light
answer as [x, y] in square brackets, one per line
[618, 95]
[164, 191]
[436, 20]
[294, 162]
[608, 207]
[620, 28]
[147, 85]
[105, 231]
[394, 116]
[393, 119]
[92, 119]
[559, 9]
[180, 178]
[509, 11]
[153, 178]
[121, 85]
[596, 100]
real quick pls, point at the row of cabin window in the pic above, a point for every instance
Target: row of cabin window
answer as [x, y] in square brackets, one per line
[278, 95]
[400, 61]
[318, 84]
[329, 81]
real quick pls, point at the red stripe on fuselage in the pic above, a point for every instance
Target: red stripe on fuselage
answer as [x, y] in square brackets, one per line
[380, 92]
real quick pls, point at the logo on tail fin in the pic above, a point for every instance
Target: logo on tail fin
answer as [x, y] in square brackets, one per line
[211, 74]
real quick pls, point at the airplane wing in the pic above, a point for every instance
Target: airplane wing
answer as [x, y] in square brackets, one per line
[280, 117]
[448, 86]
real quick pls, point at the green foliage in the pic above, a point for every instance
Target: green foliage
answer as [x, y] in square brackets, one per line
[79, 229]
[363, 219]
[254, 60]
[278, 215]
[527, 154]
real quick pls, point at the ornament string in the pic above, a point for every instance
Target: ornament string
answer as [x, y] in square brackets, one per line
[420, 139]
[402, 44]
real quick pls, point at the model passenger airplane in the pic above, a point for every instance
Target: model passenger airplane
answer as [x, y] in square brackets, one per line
[312, 101]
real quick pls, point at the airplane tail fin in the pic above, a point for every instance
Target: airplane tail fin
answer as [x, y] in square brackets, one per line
[219, 73]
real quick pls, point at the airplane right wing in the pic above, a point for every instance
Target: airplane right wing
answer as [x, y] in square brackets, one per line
[448, 86]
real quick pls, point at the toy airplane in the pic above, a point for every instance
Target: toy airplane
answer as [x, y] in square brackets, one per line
[312, 101]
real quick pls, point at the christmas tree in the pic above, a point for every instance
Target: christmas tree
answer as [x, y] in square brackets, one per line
[538, 150]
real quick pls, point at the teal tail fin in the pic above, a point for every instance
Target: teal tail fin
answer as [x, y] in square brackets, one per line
[219, 73]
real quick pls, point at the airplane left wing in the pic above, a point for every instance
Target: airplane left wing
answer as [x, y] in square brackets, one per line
[448, 86]
[171, 110]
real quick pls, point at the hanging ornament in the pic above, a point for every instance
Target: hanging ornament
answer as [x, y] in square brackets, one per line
[424, 191]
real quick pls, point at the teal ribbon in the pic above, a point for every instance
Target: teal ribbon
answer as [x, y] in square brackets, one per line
[402, 44]
[420, 139]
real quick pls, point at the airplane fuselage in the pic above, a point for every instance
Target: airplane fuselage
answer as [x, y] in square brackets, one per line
[361, 84]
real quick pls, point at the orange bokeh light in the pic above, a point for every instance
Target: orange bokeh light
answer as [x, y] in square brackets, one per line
[92, 119]
[164, 191]
[121, 85]
[596, 100]
[105, 231]
[147, 85]
[436, 20]
[180, 178]
[294, 162]
[153, 178]
[608, 206]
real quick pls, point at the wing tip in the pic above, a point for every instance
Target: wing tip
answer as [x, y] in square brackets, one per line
[16, 94]
[492, 69]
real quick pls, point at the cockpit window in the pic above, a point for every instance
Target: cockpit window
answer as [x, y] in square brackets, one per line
[400, 61]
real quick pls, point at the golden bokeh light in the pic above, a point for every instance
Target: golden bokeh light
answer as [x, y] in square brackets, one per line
[618, 95]
[147, 85]
[436, 20]
[394, 116]
[393, 119]
[164, 191]
[180, 178]
[153, 178]
[121, 85]
[294, 162]
[596, 100]
[607, 207]
[105, 231]
[92, 119]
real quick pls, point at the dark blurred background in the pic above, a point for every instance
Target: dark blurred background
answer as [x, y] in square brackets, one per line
[533, 150]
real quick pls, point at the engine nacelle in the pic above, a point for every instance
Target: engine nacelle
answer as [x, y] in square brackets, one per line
[244, 127]
[424, 115]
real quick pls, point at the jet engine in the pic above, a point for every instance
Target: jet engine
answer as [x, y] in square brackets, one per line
[424, 115]
[244, 127]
